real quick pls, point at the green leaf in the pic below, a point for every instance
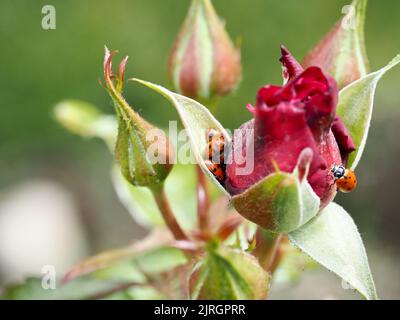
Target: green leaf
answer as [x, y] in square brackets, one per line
[160, 260]
[124, 270]
[292, 265]
[180, 188]
[86, 120]
[280, 202]
[196, 119]
[139, 201]
[156, 246]
[101, 261]
[355, 107]
[83, 288]
[332, 239]
[228, 274]
[137, 293]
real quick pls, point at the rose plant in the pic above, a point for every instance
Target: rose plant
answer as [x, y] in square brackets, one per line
[229, 238]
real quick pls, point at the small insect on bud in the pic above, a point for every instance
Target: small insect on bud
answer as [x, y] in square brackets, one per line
[345, 179]
[215, 154]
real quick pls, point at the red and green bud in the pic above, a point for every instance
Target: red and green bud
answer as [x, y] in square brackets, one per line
[224, 273]
[204, 62]
[341, 53]
[136, 136]
[287, 120]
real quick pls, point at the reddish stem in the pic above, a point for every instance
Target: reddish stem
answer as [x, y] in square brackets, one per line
[231, 223]
[167, 214]
[267, 251]
[274, 255]
[203, 200]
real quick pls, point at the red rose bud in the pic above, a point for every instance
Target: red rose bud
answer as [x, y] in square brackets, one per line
[204, 63]
[142, 150]
[288, 119]
[341, 53]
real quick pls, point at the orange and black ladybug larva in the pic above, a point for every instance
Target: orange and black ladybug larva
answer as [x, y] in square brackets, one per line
[345, 179]
[215, 154]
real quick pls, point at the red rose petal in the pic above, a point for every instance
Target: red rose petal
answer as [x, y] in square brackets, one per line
[281, 134]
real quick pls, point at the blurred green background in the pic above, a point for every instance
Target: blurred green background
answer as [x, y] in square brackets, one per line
[41, 67]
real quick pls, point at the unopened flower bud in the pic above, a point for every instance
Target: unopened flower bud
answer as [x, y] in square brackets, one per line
[204, 63]
[341, 53]
[287, 120]
[136, 137]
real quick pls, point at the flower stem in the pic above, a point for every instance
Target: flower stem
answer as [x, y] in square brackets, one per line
[203, 200]
[274, 257]
[167, 214]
